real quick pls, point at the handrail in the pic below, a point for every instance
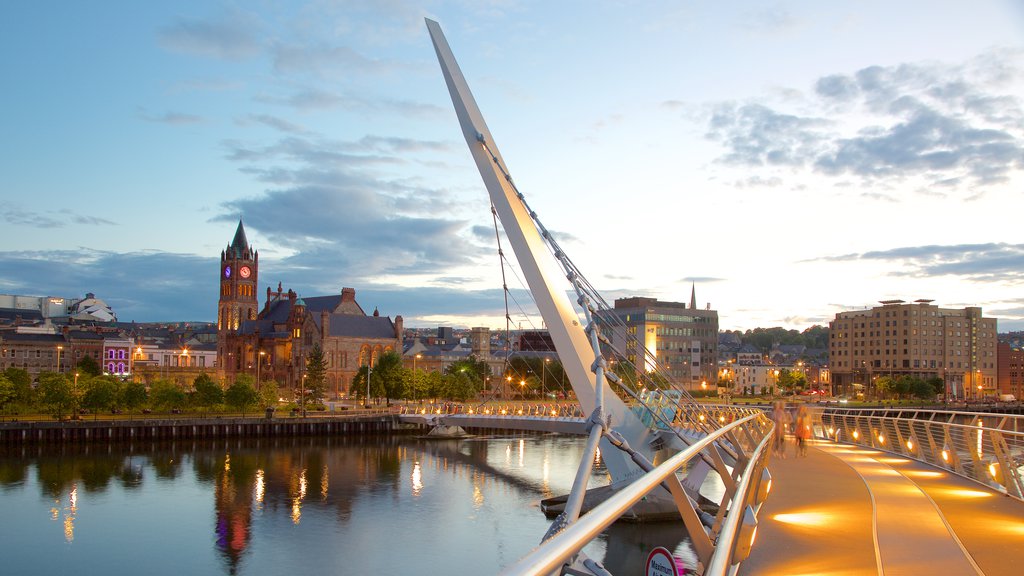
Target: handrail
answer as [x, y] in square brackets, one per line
[989, 455]
[550, 556]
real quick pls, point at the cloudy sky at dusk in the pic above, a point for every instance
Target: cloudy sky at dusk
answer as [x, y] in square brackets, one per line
[790, 159]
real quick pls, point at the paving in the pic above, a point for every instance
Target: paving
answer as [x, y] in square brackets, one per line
[845, 510]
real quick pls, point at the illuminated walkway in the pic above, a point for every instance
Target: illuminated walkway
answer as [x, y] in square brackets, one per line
[846, 510]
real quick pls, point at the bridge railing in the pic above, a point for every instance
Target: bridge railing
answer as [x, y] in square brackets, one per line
[721, 542]
[984, 447]
[551, 410]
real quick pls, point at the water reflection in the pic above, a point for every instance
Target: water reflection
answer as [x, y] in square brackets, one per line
[471, 505]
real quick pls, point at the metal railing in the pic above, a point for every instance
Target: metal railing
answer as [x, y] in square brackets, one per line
[721, 542]
[984, 447]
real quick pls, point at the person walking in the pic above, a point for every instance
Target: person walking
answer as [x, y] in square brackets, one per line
[782, 420]
[802, 430]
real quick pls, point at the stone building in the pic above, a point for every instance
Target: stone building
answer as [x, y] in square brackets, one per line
[273, 343]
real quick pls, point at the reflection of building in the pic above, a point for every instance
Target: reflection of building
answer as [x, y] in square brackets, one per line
[233, 500]
[273, 343]
[915, 339]
[680, 340]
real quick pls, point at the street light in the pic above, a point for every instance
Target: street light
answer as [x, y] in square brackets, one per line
[369, 371]
[414, 376]
[543, 379]
[59, 348]
[259, 362]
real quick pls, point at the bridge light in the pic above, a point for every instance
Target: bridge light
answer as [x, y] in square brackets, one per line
[995, 471]
[764, 486]
[470, 410]
[745, 538]
[910, 445]
[856, 434]
[831, 431]
[945, 454]
[701, 417]
[554, 412]
[881, 438]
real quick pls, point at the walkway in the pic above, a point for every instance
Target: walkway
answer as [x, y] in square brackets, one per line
[848, 510]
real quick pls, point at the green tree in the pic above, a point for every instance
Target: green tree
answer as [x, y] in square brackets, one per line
[207, 392]
[166, 395]
[922, 389]
[883, 385]
[458, 386]
[55, 394]
[938, 385]
[88, 366]
[269, 395]
[241, 395]
[133, 395]
[100, 393]
[391, 375]
[7, 394]
[316, 378]
[24, 394]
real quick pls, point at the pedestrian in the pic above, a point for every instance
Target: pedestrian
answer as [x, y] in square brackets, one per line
[782, 419]
[803, 429]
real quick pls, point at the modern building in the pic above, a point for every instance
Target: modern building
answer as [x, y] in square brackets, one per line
[916, 339]
[1010, 379]
[88, 309]
[273, 343]
[679, 339]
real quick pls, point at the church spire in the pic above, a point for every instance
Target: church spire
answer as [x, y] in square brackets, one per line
[693, 295]
[239, 245]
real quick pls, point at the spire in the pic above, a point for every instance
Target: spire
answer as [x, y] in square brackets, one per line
[239, 245]
[693, 296]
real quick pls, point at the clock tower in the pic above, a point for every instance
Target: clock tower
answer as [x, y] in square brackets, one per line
[239, 267]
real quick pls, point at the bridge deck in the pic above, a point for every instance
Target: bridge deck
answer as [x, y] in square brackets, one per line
[846, 510]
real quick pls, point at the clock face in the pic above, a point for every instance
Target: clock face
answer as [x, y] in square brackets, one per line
[227, 271]
[244, 272]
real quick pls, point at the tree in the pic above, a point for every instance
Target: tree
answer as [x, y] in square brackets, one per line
[391, 375]
[23, 392]
[7, 393]
[922, 389]
[241, 395]
[938, 385]
[133, 395]
[55, 393]
[883, 385]
[100, 392]
[316, 378]
[167, 395]
[458, 386]
[88, 366]
[269, 394]
[207, 392]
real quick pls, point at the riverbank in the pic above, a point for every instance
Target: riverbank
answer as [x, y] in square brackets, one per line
[86, 431]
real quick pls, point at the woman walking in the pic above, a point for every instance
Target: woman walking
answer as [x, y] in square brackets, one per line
[782, 419]
[803, 429]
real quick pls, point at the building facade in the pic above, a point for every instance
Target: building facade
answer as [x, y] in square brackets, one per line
[1010, 379]
[272, 343]
[676, 338]
[916, 339]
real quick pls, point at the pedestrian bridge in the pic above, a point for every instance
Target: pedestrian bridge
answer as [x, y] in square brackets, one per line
[878, 492]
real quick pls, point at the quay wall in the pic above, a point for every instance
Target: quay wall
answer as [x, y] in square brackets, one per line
[88, 431]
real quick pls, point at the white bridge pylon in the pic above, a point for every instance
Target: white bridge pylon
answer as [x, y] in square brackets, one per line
[539, 268]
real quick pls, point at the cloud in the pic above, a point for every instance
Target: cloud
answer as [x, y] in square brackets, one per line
[328, 61]
[276, 123]
[308, 99]
[337, 218]
[701, 280]
[143, 286]
[955, 127]
[232, 35]
[14, 215]
[992, 262]
[171, 118]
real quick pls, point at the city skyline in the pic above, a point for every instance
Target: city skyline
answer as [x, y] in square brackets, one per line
[793, 161]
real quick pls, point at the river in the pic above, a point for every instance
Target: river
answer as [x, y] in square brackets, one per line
[358, 505]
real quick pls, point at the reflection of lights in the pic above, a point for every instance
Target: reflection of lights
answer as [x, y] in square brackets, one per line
[924, 474]
[324, 483]
[478, 496]
[417, 479]
[73, 498]
[893, 460]
[69, 527]
[964, 493]
[881, 438]
[522, 451]
[302, 484]
[297, 501]
[979, 439]
[227, 462]
[910, 445]
[945, 455]
[261, 486]
[807, 519]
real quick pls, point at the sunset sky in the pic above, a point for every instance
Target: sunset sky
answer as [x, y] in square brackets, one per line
[790, 159]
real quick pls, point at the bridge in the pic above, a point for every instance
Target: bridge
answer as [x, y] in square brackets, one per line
[853, 505]
[927, 499]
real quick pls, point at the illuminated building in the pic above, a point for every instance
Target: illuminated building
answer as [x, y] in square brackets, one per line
[681, 339]
[916, 339]
[271, 343]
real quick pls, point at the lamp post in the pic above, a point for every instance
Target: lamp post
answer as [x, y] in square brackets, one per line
[414, 375]
[74, 392]
[369, 371]
[302, 396]
[543, 379]
[259, 362]
[59, 348]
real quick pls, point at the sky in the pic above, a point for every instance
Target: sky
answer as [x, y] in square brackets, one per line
[789, 160]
